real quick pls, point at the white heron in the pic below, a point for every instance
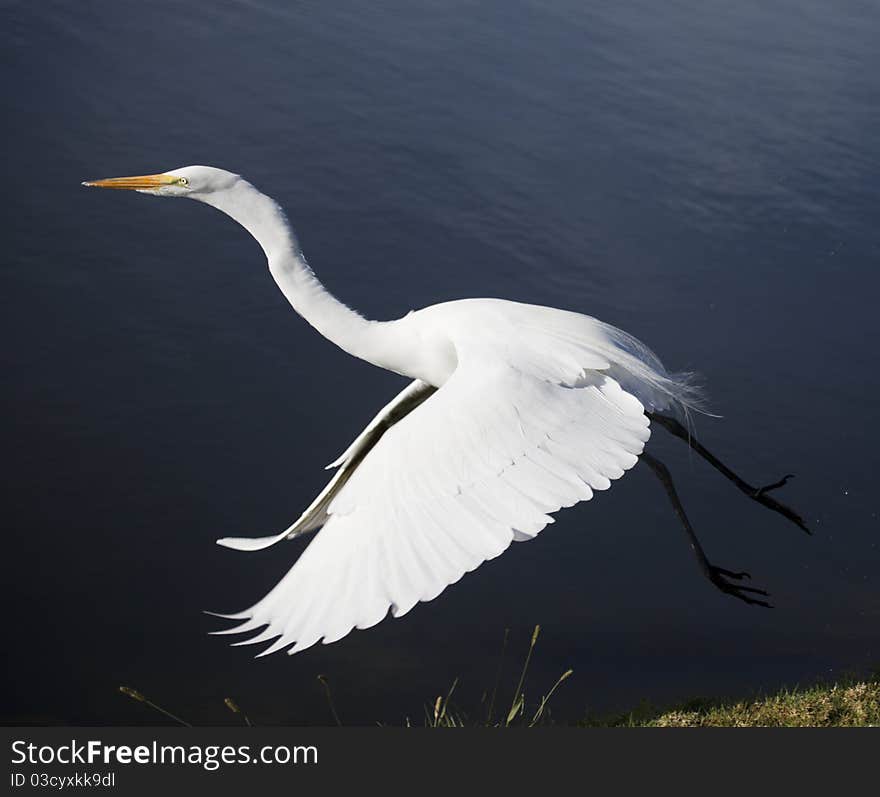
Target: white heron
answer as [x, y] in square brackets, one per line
[513, 412]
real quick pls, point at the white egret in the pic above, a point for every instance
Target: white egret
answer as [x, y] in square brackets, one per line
[514, 411]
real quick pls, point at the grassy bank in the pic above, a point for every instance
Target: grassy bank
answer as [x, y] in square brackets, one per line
[850, 703]
[853, 702]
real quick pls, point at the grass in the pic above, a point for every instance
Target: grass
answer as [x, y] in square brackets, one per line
[443, 715]
[849, 702]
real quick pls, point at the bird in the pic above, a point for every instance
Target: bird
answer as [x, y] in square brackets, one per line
[512, 412]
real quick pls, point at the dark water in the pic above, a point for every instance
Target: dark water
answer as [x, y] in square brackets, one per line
[706, 176]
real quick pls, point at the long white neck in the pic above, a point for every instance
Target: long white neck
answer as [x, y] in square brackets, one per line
[261, 216]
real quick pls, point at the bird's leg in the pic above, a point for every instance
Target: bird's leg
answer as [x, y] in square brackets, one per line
[759, 494]
[721, 578]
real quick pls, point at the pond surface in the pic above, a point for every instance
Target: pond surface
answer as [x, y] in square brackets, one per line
[706, 177]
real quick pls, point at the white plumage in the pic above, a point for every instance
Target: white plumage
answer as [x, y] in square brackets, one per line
[515, 411]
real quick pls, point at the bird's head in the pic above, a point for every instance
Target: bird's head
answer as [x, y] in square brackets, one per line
[194, 182]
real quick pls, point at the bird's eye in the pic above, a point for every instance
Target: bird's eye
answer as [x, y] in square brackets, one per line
[182, 181]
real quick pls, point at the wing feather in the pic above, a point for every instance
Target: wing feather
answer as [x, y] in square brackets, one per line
[474, 466]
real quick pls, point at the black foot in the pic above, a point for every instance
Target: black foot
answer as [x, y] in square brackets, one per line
[721, 579]
[775, 486]
[760, 495]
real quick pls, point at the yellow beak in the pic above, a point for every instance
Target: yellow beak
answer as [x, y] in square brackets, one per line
[141, 183]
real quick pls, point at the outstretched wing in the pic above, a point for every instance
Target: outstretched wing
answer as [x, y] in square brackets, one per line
[315, 514]
[480, 463]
